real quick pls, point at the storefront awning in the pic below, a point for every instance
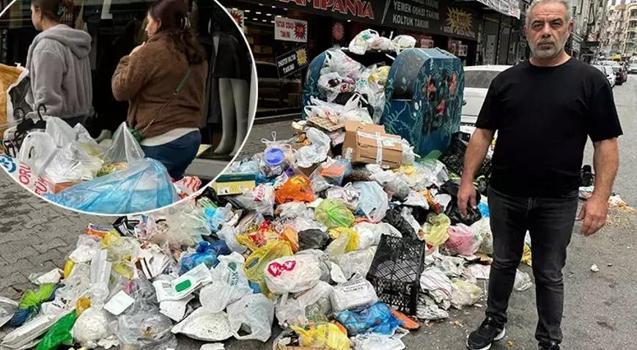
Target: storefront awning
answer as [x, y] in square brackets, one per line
[505, 7]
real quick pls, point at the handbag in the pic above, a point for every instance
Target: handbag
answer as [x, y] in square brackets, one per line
[14, 137]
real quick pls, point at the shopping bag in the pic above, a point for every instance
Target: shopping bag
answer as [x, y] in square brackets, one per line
[124, 148]
[145, 185]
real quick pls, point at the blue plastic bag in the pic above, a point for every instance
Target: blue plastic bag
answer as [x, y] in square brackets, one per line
[377, 318]
[373, 201]
[484, 209]
[145, 185]
[207, 253]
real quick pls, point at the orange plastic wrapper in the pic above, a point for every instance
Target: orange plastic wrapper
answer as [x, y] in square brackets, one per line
[296, 189]
[289, 234]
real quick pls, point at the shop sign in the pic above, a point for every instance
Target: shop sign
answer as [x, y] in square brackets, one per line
[288, 29]
[370, 11]
[239, 17]
[431, 16]
[459, 23]
[292, 61]
[421, 15]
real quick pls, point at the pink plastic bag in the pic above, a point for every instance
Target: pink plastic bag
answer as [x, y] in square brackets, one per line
[462, 240]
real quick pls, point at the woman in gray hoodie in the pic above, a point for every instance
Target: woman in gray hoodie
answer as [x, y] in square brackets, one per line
[58, 64]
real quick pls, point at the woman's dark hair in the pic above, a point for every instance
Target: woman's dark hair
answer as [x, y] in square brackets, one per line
[173, 16]
[53, 9]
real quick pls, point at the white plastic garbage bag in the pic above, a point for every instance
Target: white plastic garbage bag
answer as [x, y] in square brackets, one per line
[337, 61]
[483, 229]
[312, 304]
[464, 294]
[374, 341]
[229, 284]
[354, 111]
[376, 230]
[124, 148]
[86, 249]
[316, 152]
[436, 283]
[37, 151]
[332, 84]
[8, 308]
[522, 281]
[206, 326]
[402, 42]
[145, 329]
[428, 310]
[260, 199]
[91, 327]
[229, 234]
[293, 274]
[357, 262]
[252, 315]
[363, 41]
[355, 293]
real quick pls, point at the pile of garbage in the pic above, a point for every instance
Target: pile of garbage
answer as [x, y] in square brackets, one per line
[341, 235]
[347, 90]
[342, 255]
[69, 167]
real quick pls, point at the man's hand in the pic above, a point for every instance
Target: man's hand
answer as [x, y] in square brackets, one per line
[466, 194]
[606, 162]
[594, 213]
[473, 157]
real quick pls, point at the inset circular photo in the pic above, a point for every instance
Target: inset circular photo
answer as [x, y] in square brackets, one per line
[121, 107]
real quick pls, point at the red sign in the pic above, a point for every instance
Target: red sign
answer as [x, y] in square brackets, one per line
[356, 8]
[289, 29]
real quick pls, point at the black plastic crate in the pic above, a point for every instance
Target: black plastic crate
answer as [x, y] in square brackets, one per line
[395, 272]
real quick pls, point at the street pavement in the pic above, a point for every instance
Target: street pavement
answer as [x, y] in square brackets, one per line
[599, 311]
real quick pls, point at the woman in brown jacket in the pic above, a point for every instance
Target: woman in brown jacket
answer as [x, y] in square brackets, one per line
[164, 81]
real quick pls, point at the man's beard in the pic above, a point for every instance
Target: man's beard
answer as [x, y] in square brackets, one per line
[551, 49]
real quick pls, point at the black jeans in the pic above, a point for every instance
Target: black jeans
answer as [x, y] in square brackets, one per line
[550, 223]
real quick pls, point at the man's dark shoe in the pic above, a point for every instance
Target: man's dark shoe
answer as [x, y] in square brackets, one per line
[489, 332]
[551, 346]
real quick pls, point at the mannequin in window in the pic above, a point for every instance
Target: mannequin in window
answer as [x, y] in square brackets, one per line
[231, 66]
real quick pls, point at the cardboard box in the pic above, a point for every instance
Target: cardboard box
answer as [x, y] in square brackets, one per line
[364, 140]
[233, 184]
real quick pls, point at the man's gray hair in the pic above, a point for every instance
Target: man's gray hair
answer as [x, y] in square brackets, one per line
[566, 4]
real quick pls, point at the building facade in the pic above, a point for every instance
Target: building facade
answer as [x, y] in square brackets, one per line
[620, 35]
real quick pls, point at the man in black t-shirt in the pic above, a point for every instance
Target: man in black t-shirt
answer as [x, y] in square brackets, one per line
[544, 110]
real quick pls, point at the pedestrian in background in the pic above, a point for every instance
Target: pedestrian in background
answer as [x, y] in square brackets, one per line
[58, 64]
[544, 110]
[164, 81]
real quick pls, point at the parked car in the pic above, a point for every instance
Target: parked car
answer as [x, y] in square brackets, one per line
[608, 72]
[633, 68]
[621, 74]
[476, 84]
